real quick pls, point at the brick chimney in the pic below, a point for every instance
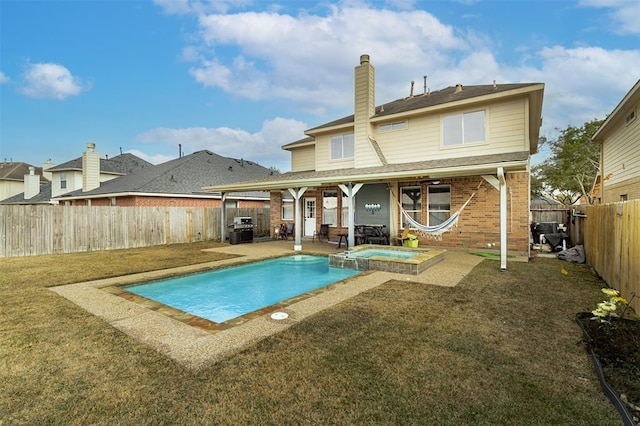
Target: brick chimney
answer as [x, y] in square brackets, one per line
[90, 168]
[364, 109]
[31, 184]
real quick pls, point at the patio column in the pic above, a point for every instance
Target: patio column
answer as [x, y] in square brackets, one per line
[223, 227]
[297, 195]
[350, 190]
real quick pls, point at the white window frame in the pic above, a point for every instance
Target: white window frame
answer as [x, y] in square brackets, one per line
[342, 147]
[397, 125]
[63, 180]
[330, 209]
[416, 214]
[287, 211]
[458, 129]
[439, 209]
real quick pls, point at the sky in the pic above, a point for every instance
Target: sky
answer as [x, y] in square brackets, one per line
[241, 78]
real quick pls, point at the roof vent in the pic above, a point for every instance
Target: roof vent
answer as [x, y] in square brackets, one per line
[230, 168]
[494, 85]
[458, 88]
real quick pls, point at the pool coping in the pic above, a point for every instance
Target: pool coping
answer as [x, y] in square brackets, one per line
[195, 348]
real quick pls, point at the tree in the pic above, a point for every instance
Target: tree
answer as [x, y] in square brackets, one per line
[569, 173]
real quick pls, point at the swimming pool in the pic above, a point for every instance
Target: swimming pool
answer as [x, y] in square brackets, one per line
[397, 254]
[227, 293]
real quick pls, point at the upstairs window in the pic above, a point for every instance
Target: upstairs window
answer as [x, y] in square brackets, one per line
[459, 129]
[342, 147]
[393, 126]
[63, 180]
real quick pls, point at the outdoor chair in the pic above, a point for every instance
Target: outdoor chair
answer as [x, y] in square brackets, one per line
[322, 233]
[287, 230]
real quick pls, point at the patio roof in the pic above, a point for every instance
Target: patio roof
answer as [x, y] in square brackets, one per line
[452, 167]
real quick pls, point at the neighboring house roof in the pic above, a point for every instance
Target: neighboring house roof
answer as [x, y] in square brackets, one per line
[182, 176]
[16, 171]
[43, 197]
[483, 164]
[122, 164]
[620, 112]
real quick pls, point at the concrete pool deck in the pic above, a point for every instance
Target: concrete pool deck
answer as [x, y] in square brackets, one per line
[196, 348]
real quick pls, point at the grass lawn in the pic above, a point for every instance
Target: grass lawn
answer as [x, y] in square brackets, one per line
[500, 348]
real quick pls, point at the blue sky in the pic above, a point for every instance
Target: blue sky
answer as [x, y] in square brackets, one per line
[242, 78]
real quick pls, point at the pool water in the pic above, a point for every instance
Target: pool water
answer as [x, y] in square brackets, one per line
[228, 293]
[397, 254]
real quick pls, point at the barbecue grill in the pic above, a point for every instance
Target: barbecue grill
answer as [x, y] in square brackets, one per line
[242, 230]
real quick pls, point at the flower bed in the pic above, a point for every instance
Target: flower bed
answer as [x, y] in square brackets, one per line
[614, 344]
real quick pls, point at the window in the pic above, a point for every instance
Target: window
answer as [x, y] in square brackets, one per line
[342, 147]
[624, 197]
[345, 211]
[439, 204]
[330, 208]
[393, 126]
[112, 201]
[63, 180]
[458, 129]
[411, 203]
[287, 211]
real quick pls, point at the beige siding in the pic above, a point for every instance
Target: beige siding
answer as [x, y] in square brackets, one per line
[621, 158]
[630, 188]
[303, 159]
[10, 188]
[421, 140]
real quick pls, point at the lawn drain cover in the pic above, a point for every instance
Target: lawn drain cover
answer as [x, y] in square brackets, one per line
[279, 315]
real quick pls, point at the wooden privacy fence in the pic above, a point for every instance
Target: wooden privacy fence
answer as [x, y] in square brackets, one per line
[38, 229]
[612, 245]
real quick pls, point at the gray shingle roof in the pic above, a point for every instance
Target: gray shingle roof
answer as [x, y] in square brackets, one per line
[42, 197]
[122, 164]
[185, 175]
[386, 172]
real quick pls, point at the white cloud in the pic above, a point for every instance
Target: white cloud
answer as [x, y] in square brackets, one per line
[308, 59]
[49, 80]
[582, 83]
[4, 78]
[263, 146]
[152, 158]
[625, 14]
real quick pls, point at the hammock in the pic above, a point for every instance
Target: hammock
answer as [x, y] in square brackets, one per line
[436, 231]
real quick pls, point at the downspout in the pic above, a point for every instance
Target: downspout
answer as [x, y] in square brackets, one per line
[297, 195]
[223, 227]
[503, 218]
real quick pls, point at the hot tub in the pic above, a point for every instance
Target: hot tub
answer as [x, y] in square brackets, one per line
[399, 260]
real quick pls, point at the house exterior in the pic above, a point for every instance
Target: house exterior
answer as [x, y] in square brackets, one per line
[619, 137]
[15, 179]
[425, 154]
[83, 173]
[176, 183]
